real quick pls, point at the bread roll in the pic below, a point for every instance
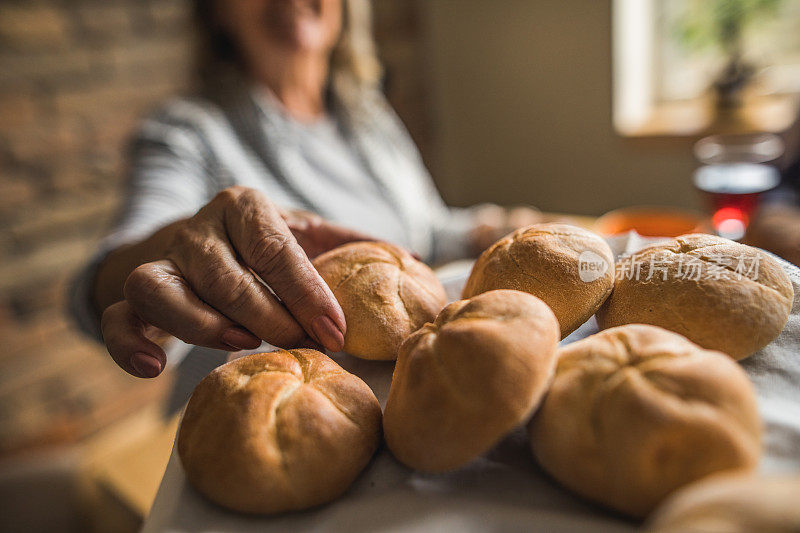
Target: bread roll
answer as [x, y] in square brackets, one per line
[719, 294]
[637, 411]
[384, 292]
[278, 431]
[463, 382]
[732, 503]
[569, 268]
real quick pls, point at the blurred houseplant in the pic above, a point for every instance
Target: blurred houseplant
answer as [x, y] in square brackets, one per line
[721, 25]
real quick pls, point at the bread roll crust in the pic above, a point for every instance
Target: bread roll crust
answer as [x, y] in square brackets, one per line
[637, 411]
[464, 381]
[690, 285]
[545, 260]
[384, 292]
[731, 503]
[278, 431]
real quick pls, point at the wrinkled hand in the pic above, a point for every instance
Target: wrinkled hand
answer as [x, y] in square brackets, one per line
[208, 288]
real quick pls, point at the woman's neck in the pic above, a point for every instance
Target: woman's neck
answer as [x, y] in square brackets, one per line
[298, 81]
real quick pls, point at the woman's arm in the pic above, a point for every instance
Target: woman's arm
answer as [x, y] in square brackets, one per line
[468, 231]
[456, 232]
[169, 179]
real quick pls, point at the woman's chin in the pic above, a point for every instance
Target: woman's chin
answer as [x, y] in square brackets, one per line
[309, 36]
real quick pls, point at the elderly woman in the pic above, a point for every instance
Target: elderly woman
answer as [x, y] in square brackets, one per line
[287, 150]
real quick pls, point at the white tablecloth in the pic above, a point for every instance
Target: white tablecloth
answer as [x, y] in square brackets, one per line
[503, 491]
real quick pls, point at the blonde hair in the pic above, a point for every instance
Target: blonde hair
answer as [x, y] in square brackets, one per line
[355, 56]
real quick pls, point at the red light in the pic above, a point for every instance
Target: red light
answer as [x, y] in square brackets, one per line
[729, 213]
[730, 222]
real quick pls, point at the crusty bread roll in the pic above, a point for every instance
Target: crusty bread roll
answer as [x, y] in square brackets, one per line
[278, 431]
[719, 294]
[637, 411]
[732, 503]
[569, 268]
[463, 382]
[384, 292]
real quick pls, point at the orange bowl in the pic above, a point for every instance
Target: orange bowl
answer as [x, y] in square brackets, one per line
[650, 221]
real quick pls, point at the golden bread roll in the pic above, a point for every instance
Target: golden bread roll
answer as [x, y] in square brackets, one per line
[732, 503]
[719, 294]
[384, 292]
[635, 412]
[278, 431]
[465, 381]
[571, 269]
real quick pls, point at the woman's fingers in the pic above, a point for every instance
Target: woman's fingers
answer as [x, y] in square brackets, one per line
[208, 291]
[124, 336]
[215, 275]
[316, 235]
[159, 296]
[266, 244]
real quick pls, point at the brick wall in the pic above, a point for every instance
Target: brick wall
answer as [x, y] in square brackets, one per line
[74, 77]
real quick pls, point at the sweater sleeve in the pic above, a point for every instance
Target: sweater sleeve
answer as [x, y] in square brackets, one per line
[449, 226]
[450, 229]
[169, 178]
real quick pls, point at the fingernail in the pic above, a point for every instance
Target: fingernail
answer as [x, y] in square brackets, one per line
[145, 365]
[327, 333]
[240, 338]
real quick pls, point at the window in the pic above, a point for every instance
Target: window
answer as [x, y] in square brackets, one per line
[669, 57]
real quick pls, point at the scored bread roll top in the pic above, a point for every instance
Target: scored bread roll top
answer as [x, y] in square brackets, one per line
[384, 292]
[464, 381]
[731, 503]
[635, 412]
[278, 431]
[546, 260]
[718, 293]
